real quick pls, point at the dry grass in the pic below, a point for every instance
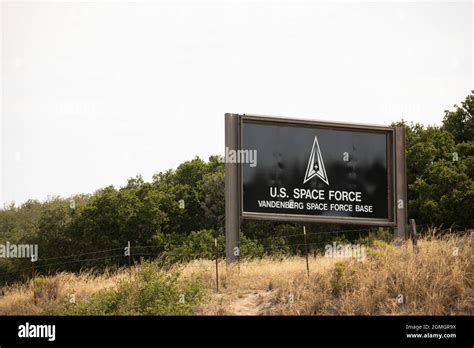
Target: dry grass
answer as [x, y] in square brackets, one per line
[32, 297]
[256, 279]
[433, 281]
[255, 274]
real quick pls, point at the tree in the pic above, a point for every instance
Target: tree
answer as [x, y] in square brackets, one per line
[440, 169]
[459, 122]
[213, 204]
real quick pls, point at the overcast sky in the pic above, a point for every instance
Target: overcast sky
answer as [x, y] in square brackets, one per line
[94, 93]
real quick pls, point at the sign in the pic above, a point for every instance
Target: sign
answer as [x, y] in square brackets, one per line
[296, 170]
[316, 171]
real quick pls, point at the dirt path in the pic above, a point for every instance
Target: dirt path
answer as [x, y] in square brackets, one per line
[256, 302]
[239, 302]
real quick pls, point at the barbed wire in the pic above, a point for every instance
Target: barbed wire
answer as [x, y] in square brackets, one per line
[165, 253]
[253, 239]
[76, 255]
[168, 253]
[321, 232]
[59, 264]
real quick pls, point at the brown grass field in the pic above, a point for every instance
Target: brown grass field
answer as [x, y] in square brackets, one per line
[437, 280]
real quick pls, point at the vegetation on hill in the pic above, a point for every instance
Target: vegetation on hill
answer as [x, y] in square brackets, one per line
[437, 280]
[180, 212]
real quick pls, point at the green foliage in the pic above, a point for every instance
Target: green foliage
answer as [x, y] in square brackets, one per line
[199, 244]
[152, 292]
[250, 248]
[337, 278]
[181, 211]
[441, 186]
[459, 122]
[213, 202]
[45, 289]
[380, 234]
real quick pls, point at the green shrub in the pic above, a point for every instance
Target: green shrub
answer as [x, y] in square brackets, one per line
[337, 278]
[45, 289]
[379, 234]
[152, 292]
[250, 248]
[198, 245]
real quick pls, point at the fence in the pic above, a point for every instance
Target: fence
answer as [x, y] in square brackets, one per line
[131, 252]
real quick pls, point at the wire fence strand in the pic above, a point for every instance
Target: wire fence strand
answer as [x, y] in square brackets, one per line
[189, 256]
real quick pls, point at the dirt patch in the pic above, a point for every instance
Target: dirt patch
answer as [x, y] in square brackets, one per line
[240, 302]
[257, 302]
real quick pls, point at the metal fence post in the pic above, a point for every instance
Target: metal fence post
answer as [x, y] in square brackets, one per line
[306, 250]
[232, 215]
[400, 184]
[217, 264]
[414, 235]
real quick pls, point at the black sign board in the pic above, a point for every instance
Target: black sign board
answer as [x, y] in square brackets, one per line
[293, 170]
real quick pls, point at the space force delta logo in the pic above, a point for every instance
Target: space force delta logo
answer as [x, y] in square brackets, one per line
[316, 164]
[315, 199]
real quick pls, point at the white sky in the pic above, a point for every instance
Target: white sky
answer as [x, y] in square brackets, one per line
[94, 93]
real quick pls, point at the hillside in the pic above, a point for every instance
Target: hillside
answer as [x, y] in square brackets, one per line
[437, 280]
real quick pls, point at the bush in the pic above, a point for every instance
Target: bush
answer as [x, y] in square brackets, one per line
[379, 234]
[199, 244]
[45, 289]
[152, 292]
[250, 248]
[337, 278]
